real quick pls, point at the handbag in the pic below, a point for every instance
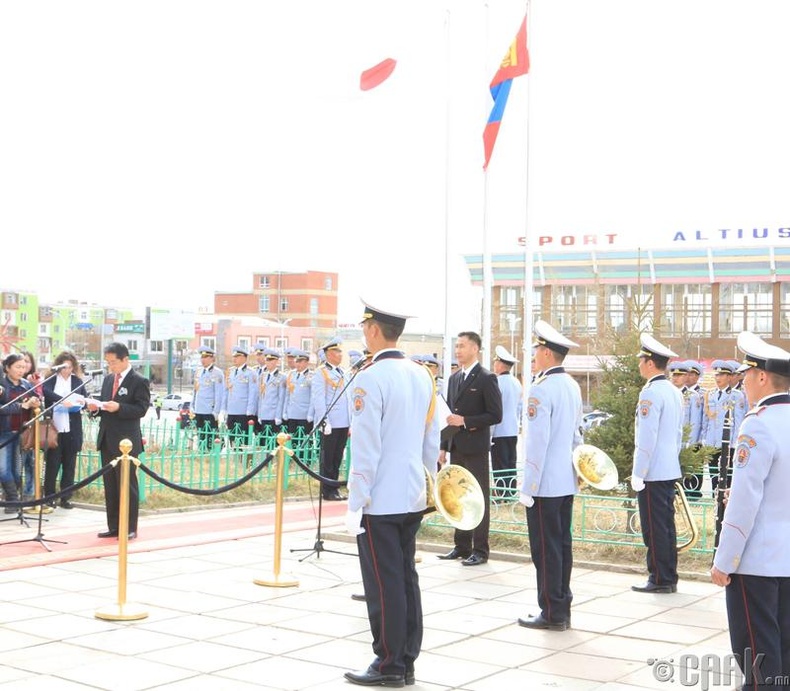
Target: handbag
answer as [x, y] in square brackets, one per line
[48, 436]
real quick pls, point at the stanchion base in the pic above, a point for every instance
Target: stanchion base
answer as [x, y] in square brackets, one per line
[128, 611]
[38, 509]
[277, 581]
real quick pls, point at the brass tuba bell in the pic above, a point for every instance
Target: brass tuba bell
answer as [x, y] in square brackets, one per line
[456, 495]
[690, 529]
[594, 467]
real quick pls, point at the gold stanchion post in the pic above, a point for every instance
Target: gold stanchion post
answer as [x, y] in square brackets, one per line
[122, 610]
[277, 580]
[37, 467]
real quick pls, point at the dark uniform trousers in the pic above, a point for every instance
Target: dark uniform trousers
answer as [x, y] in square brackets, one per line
[758, 609]
[657, 516]
[293, 425]
[112, 492]
[475, 541]
[503, 463]
[207, 429]
[238, 427]
[392, 589]
[551, 547]
[333, 446]
[64, 455]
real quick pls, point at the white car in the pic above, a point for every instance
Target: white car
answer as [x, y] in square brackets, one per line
[173, 401]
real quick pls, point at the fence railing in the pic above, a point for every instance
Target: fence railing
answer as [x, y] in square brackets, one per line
[204, 459]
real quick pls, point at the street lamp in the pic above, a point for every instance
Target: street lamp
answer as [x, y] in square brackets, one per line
[283, 324]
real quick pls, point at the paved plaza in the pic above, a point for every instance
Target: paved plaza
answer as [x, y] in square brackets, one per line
[209, 626]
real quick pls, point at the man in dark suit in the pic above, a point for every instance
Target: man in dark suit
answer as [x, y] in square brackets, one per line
[475, 402]
[126, 397]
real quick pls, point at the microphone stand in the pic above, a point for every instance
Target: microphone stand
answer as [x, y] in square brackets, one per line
[318, 545]
[34, 421]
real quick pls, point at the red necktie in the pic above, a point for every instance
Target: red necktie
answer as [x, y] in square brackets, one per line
[116, 383]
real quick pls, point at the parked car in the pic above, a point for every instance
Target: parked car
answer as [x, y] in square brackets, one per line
[173, 401]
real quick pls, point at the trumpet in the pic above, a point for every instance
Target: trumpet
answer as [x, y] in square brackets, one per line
[456, 495]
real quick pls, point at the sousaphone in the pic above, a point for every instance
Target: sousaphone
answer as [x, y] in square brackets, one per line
[594, 467]
[456, 495]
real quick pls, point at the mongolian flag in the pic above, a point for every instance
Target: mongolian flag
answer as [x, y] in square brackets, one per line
[514, 64]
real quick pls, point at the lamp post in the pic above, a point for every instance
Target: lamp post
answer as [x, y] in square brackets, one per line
[283, 324]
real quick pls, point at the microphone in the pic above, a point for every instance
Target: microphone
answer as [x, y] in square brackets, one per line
[359, 363]
[55, 368]
[93, 372]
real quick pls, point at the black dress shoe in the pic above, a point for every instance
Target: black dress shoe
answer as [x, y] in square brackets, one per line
[474, 560]
[653, 588]
[108, 533]
[358, 597]
[408, 678]
[132, 535]
[539, 622]
[370, 677]
[65, 504]
[454, 553]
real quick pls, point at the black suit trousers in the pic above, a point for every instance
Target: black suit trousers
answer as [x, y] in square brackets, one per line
[112, 492]
[475, 541]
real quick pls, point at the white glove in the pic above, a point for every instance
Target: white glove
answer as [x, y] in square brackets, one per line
[327, 428]
[526, 500]
[637, 483]
[354, 522]
[278, 422]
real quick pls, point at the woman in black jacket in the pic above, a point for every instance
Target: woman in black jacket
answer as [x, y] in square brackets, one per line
[66, 393]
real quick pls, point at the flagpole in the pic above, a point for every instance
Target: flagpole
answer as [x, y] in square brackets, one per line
[447, 339]
[528, 259]
[487, 271]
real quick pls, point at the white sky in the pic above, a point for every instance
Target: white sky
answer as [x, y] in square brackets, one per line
[202, 141]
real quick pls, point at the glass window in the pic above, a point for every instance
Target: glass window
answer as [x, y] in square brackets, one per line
[574, 308]
[264, 282]
[784, 310]
[745, 307]
[132, 345]
[313, 307]
[686, 310]
[627, 306]
[245, 342]
[208, 342]
[157, 346]
[511, 308]
[264, 304]
[307, 344]
[283, 304]
[328, 283]
[280, 343]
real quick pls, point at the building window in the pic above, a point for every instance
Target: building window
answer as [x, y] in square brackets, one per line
[283, 304]
[313, 307]
[157, 346]
[574, 308]
[281, 343]
[627, 306]
[745, 307]
[245, 342]
[328, 283]
[307, 344]
[264, 304]
[784, 310]
[208, 342]
[10, 298]
[132, 345]
[56, 328]
[23, 316]
[42, 329]
[23, 300]
[686, 310]
[264, 282]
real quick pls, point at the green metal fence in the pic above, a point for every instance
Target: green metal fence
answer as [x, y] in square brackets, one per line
[209, 461]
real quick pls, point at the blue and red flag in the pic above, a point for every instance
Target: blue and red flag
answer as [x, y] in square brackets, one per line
[514, 64]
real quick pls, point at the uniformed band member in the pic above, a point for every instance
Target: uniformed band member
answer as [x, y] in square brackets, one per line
[396, 441]
[241, 402]
[271, 392]
[504, 435]
[474, 398]
[554, 417]
[717, 402]
[693, 413]
[677, 374]
[752, 558]
[331, 407]
[209, 398]
[658, 437]
[297, 406]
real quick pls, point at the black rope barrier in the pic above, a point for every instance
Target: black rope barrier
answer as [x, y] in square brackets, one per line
[208, 492]
[58, 495]
[317, 476]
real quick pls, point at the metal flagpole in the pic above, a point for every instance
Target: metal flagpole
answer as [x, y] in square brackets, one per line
[447, 339]
[487, 271]
[528, 254]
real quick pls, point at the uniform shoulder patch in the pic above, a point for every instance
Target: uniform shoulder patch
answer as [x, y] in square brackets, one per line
[744, 449]
[532, 408]
[644, 407]
[358, 400]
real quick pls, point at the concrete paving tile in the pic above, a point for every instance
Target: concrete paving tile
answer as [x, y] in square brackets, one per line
[201, 656]
[196, 627]
[588, 667]
[524, 679]
[13, 611]
[327, 624]
[271, 640]
[9, 675]
[494, 652]
[434, 601]
[260, 613]
[127, 640]
[599, 623]
[708, 619]
[552, 640]
[50, 658]
[433, 668]
[679, 599]
[461, 621]
[208, 682]
[477, 589]
[289, 674]
[620, 647]
[76, 582]
[19, 591]
[435, 638]
[181, 600]
[44, 683]
[500, 609]
[614, 606]
[75, 602]
[658, 631]
[124, 674]
[62, 626]
[345, 653]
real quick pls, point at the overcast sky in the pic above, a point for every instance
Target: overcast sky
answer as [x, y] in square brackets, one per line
[156, 152]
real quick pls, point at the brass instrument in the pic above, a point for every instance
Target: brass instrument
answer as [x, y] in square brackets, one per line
[682, 507]
[594, 467]
[456, 495]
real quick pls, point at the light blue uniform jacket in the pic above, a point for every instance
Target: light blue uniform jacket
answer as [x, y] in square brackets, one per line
[327, 390]
[756, 523]
[512, 403]
[394, 436]
[715, 409]
[554, 416]
[209, 397]
[297, 404]
[271, 395]
[242, 396]
[658, 431]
